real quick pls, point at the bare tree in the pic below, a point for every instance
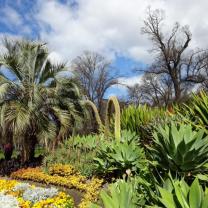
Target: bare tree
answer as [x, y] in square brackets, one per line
[134, 94]
[173, 58]
[154, 90]
[95, 75]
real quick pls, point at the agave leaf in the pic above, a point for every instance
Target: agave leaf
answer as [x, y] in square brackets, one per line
[180, 195]
[107, 200]
[202, 177]
[167, 198]
[195, 195]
[94, 206]
[205, 202]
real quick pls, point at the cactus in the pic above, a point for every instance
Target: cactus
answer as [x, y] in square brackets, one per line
[117, 125]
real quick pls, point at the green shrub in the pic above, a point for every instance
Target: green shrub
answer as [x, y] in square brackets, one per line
[141, 119]
[85, 143]
[180, 149]
[78, 151]
[116, 157]
[177, 193]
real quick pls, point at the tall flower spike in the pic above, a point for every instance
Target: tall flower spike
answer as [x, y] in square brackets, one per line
[117, 125]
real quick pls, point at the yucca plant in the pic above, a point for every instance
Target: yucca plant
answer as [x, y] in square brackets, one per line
[179, 148]
[141, 119]
[177, 193]
[196, 112]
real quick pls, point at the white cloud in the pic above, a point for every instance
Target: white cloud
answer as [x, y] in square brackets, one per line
[113, 26]
[55, 57]
[130, 81]
[110, 26]
[107, 26]
[120, 90]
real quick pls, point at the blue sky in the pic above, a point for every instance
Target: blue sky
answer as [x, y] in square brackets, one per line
[110, 27]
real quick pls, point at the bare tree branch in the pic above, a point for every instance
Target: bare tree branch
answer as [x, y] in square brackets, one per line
[95, 76]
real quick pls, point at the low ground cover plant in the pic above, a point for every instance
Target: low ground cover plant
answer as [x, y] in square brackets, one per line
[65, 176]
[14, 194]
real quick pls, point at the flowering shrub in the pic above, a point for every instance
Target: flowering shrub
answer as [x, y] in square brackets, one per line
[14, 194]
[66, 176]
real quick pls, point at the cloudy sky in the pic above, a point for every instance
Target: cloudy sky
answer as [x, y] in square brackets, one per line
[111, 27]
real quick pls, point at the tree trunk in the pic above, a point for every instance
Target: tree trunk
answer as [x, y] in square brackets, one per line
[177, 89]
[8, 150]
[56, 142]
[28, 148]
[8, 145]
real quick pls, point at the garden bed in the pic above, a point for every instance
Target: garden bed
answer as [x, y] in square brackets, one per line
[15, 194]
[66, 177]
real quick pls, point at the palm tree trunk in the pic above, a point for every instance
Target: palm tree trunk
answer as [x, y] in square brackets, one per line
[8, 146]
[56, 142]
[28, 150]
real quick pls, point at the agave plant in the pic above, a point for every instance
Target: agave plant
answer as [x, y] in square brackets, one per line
[119, 195]
[116, 157]
[180, 149]
[177, 193]
[36, 102]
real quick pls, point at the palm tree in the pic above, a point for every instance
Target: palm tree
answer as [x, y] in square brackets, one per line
[37, 103]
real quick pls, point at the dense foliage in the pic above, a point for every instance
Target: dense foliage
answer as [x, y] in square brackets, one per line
[196, 112]
[141, 119]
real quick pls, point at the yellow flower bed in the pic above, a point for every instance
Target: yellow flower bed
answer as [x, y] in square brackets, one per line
[66, 176]
[7, 187]
[57, 201]
[62, 170]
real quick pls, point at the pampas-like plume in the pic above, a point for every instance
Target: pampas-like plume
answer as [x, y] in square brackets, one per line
[112, 101]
